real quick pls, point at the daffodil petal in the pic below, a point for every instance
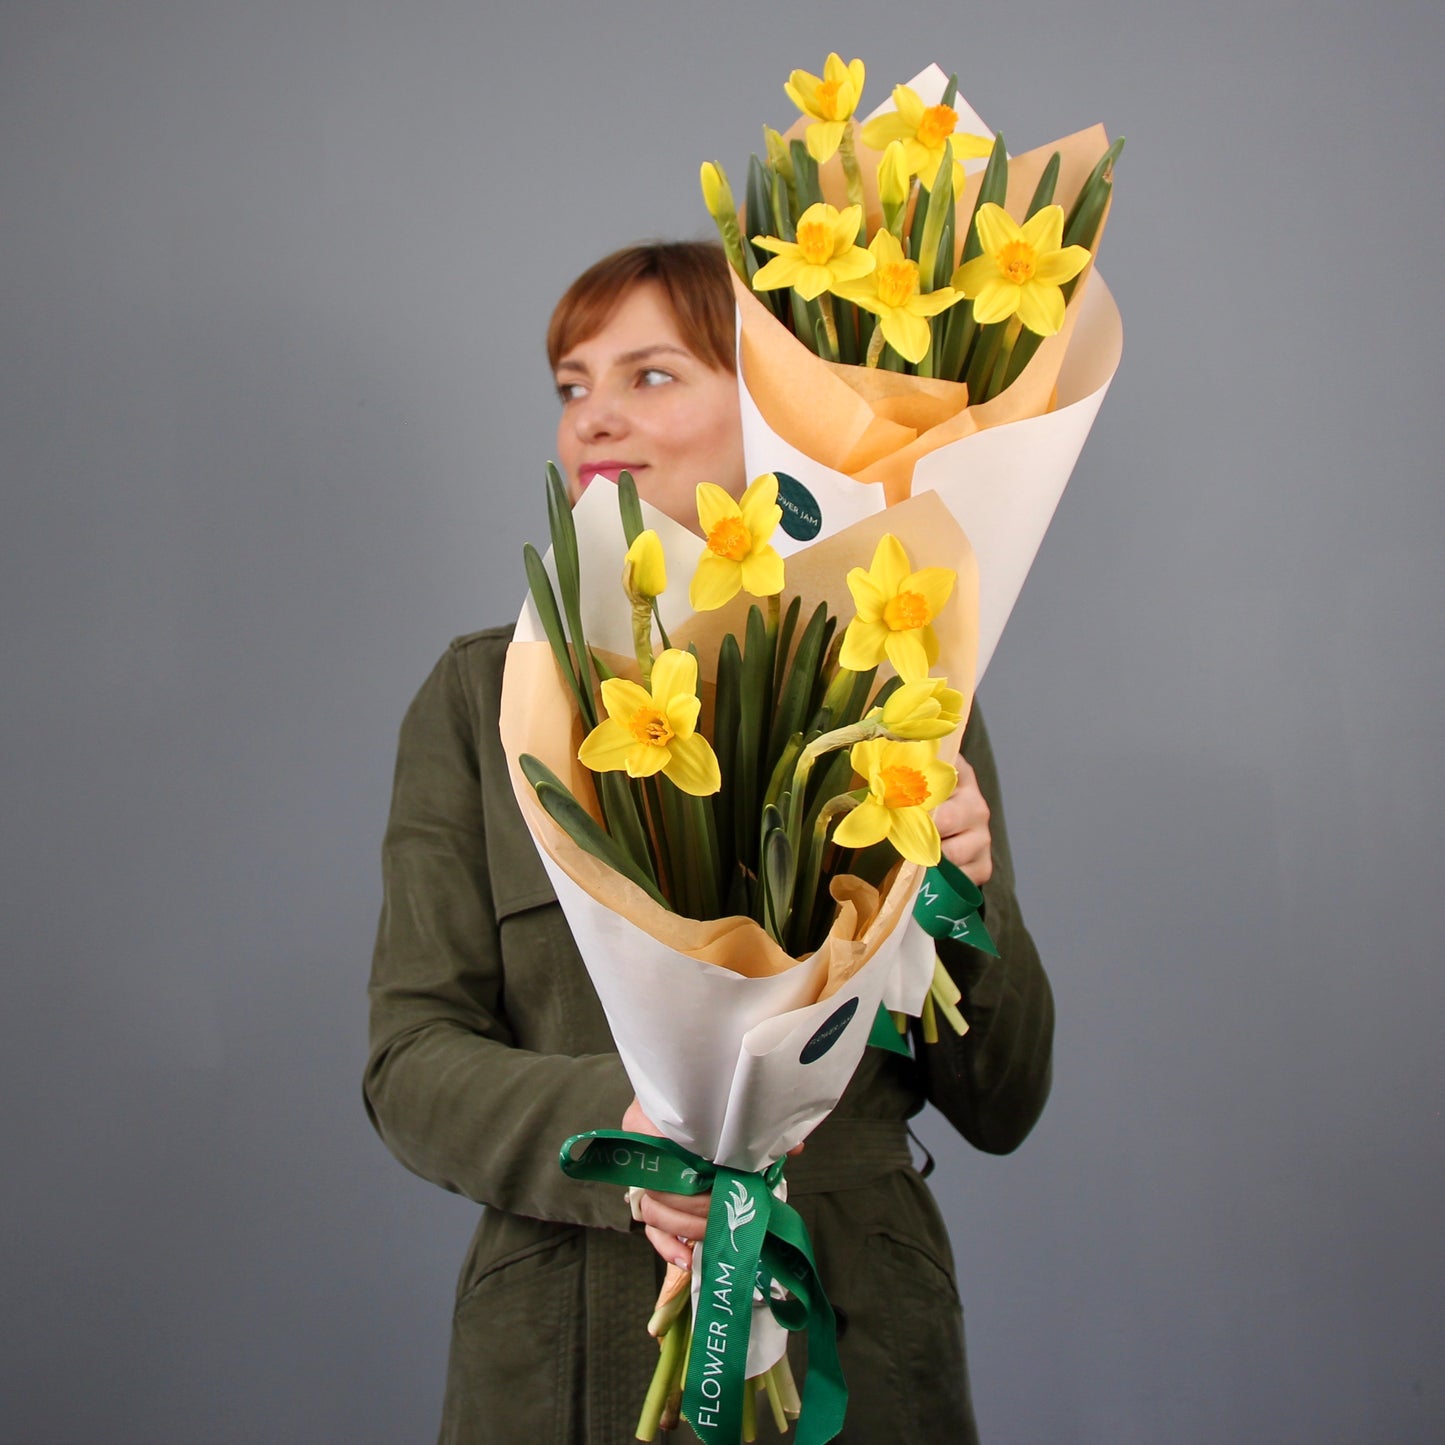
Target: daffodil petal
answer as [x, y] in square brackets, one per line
[970, 147]
[866, 825]
[909, 103]
[645, 759]
[850, 266]
[905, 650]
[775, 243]
[682, 713]
[930, 303]
[762, 573]
[802, 89]
[622, 697]
[890, 565]
[915, 835]
[782, 270]
[890, 126]
[996, 228]
[823, 138]
[1041, 308]
[856, 75]
[861, 291]
[1044, 230]
[714, 505]
[811, 281]
[693, 765]
[863, 645]
[758, 502]
[973, 276]
[942, 779]
[1060, 266]
[997, 300]
[906, 333]
[715, 583]
[674, 673]
[933, 584]
[867, 599]
[606, 748]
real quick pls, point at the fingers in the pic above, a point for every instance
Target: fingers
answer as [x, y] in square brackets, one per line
[962, 821]
[673, 1223]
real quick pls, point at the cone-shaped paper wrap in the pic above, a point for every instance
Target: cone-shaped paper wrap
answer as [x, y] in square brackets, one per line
[858, 440]
[735, 1050]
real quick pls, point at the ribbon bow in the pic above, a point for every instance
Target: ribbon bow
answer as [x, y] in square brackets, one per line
[753, 1238]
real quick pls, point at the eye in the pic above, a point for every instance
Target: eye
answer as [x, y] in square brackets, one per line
[654, 376]
[570, 391]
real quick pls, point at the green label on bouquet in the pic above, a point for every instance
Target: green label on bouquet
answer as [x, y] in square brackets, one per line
[802, 516]
[829, 1033]
[752, 1239]
[949, 905]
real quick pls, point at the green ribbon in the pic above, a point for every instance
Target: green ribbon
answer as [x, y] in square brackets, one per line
[752, 1239]
[949, 905]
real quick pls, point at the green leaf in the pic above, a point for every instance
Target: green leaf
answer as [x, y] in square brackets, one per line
[777, 875]
[755, 708]
[624, 821]
[1044, 191]
[565, 560]
[581, 827]
[795, 698]
[630, 508]
[992, 189]
[805, 177]
[545, 602]
[724, 743]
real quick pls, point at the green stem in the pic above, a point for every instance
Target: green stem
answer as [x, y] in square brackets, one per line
[830, 322]
[668, 1355]
[850, 166]
[875, 347]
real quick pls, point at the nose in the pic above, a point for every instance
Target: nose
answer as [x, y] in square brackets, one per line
[598, 416]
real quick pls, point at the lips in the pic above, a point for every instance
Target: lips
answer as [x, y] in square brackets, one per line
[586, 471]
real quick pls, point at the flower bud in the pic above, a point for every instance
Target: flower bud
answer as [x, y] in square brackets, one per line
[644, 573]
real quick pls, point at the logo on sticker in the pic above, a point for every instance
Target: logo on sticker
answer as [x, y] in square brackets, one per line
[829, 1032]
[802, 516]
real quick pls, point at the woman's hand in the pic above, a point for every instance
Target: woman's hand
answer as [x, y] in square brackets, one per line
[674, 1222]
[962, 821]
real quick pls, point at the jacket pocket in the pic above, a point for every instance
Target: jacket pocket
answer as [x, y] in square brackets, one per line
[516, 1342]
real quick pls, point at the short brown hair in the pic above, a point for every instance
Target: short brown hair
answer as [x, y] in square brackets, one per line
[693, 276]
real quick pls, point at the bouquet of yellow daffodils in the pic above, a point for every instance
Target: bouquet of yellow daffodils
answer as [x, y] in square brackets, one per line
[732, 795]
[918, 310]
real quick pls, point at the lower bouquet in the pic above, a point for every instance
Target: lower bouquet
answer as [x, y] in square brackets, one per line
[733, 800]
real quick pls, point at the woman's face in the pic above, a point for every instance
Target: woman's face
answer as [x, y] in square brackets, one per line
[636, 398]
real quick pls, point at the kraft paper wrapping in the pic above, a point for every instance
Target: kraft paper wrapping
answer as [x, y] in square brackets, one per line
[862, 439]
[711, 1018]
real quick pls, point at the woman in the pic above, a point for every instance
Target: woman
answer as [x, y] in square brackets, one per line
[488, 1046]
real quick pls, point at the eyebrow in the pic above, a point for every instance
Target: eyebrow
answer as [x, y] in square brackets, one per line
[628, 358]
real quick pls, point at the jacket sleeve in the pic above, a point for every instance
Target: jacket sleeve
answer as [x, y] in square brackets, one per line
[446, 1086]
[992, 1083]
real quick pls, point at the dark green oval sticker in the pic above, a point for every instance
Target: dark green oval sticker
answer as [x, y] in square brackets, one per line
[802, 516]
[829, 1032]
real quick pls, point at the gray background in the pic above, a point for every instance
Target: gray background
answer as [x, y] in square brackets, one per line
[273, 404]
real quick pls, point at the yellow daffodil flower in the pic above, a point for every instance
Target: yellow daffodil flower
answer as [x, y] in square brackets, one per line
[896, 607]
[1021, 268]
[923, 129]
[922, 711]
[829, 101]
[654, 731]
[822, 256]
[905, 784]
[890, 291]
[739, 556]
[644, 570]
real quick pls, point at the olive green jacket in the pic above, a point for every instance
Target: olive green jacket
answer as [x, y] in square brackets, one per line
[489, 1048]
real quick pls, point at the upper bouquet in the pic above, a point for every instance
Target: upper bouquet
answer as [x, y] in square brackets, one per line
[731, 783]
[917, 310]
